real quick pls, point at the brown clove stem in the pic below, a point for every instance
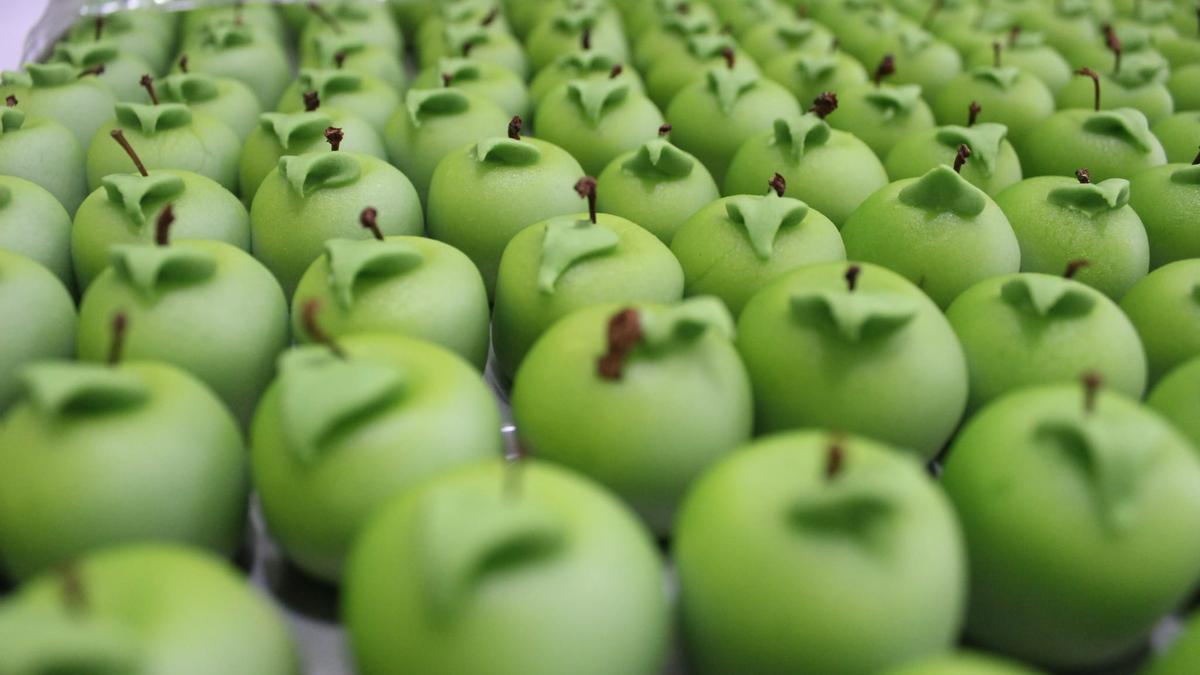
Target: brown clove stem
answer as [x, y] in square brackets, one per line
[147, 83]
[1083, 176]
[664, 130]
[852, 274]
[119, 136]
[777, 184]
[1092, 382]
[334, 136]
[370, 220]
[973, 111]
[309, 314]
[824, 104]
[885, 68]
[162, 228]
[1088, 72]
[624, 334]
[514, 128]
[586, 187]
[312, 101]
[116, 349]
[960, 157]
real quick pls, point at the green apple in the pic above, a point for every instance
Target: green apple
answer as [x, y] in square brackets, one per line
[43, 152]
[147, 33]
[1180, 135]
[1069, 26]
[1029, 329]
[55, 91]
[1083, 583]
[280, 134]
[670, 375]
[881, 115]
[993, 164]
[354, 53]
[735, 246]
[41, 320]
[597, 120]
[920, 58]
[673, 25]
[675, 71]
[938, 231]
[962, 663]
[35, 225]
[830, 170]
[740, 16]
[563, 30]
[657, 186]
[1060, 220]
[264, 19]
[1165, 308]
[1110, 143]
[486, 43]
[99, 455]
[814, 552]
[1006, 95]
[225, 48]
[462, 14]
[582, 64]
[488, 80]
[557, 266]
[481, 196]
[1027, 51]
[1166, 198]
[854, 347]
[365, 95]
[117, 70]
[144, 608]
[434, 122]
[365, 21]
[167, 136]
[222, 98]
[506, 570]
[766, 40]
[1136, 87]
[1177, 398]
[312, 198]
[809, 75]
[338, 435]
[411, 286]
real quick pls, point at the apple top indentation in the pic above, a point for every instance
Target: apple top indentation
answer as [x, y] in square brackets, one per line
[686, 24]
[567, 241]
[1189, 175]
[459, 70]
[844, 511]
[139, 196]
[465, 536]
[352, 260]
[329, 45]
[984, 141]
[152, 119]
[460, 38]
[321, 395]
[1127, 124]
[153, 269]
[422, 103]
[85, 54]
[189, 88]
[51, 74]
[709, 45]
[319, 170]
[894, 100]
[801, 132]
[1003, 77]
[594, 95]
[225, 34]
[763, 217]
[814, 67]
[855, 316]
[573, 20]
[684, 322]
[511, 152]
[81, 389]
[1047, 297]
[795, 33]
[11, 119]
[729, 84]
[944, 190]
[293, 128]
[659, 156]
[328, 82]
[1092, 198]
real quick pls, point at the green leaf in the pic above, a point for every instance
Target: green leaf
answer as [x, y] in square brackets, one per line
[582, 62]
[685, 322]
[322, 396]
[568, 241]
[51, 74]
[798, 133]
[422, 103]
[460, 70]
[351, 260]
[728, 84]
[295, 128]
[984, 141]
[152, 119]
[944, 191]
[660, 157]
[509, 151]
[11, 119]
[1092, 198]
[594, 95]
[815, 68]
[1047, 297]
[62, 389]
[762, 218]
[86, 54]
[685, 24]
[575, 21]
[1187, 176]
[328, 45]
[796, 33]
[709, 46]
[189, 88]
[891, 101]
[1125, 124]
[150, 269]
[139, 196]
[856, 316]
[225, 34]
[319, 171]
[1004, 77]
[329, 83]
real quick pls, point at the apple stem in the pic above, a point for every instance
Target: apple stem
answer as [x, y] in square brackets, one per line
[311, 308]
[851, 276]
[1074, 266]
[11, 101]
[119, 136]
[339, 60]
[997, 50]
[370, 220]
[616, 71]
[147, 83]
[777, 184]
[730, 57]
[162, 229]
[95, 71]
[973, 111]
[585, 40]
[886, 67]
[834, 45]
[467, 47]
[835, 460]
[73, 596]
[664, 130]
[683, 8]
[934, 8]
[325, 16]
[1088, 72]
[624, 333]
[802, 11]
[1013, 34]
[99, 28]
[116, 349]
[514, 128]
[1092, 381]
[446, 79]
[824, 104]
[1083, 176]
[312, 101]
[1113, 43]
[586, 187]
[490, 17]
[960, 157]
[334, 137]
[183, 64]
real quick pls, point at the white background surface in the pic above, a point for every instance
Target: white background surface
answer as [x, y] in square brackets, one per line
[16, 18]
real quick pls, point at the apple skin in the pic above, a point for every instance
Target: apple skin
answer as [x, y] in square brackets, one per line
[222, 98]
[1183, 85]
[265, 20]
[915, 155]
[1030, 55]
[66, 487]
[766, 40]
[561, 578]
[203, 210]
[443, 415]
[879, 128]
[1019, 104]
[122, 69]
[1167, 198]
[489, 44]
[82, 105]
[1177, 398]
[1183, 656]
[1178, 134]
[808, 75]
[1030, 329]
[1111, 238]
[1060, 144]
[921, 58]
[1152, 98]
[719, 258]
[357, 55]
[963, 663]
[33, 223]
[45, 152]
[478, 206]
[906, 386]
[241, 53]
[667, 32]
[441, 300]
[639, 269]
[289, 229]
[488, 80]
[225, 329]
[657, 197]
[152, 606]
[549, 39]
[581, 64]
[777, 569]
[40, 319]
[1165, 309]
[676, 409]
[368, 97]
[369, 22]
[626, 120]
[147, 33]
[1126, 519]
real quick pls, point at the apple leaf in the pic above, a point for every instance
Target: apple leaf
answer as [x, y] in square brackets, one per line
[568, 241]
[319, 171]
[593, 96]
[763, 217]
[1047, 297]
[855, 316]
[659, 157]
[509, 151]
[798, 133]
[422, 103]
[153, 119]
[352, 261]
[60, 389]
[150, 270]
